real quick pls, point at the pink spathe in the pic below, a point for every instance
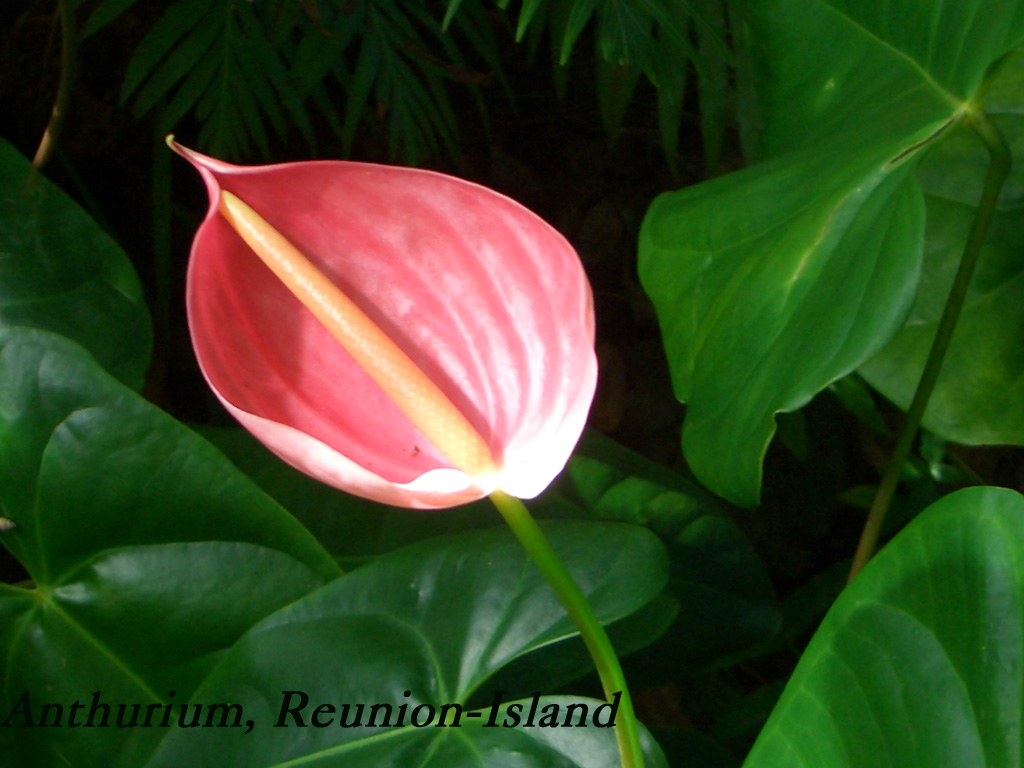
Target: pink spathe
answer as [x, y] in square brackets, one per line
[488, 300]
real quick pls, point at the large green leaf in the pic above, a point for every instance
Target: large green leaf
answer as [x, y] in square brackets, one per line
[148, 552]
[979, 397]
[428, 624]
[918, 664]
[777, 280]
[59, 271]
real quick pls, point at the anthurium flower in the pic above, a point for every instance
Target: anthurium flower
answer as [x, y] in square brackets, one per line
[481, 299]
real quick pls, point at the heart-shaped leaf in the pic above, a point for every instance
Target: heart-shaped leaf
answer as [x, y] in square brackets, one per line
[60, 272]
[148, 552]
[777, 280]
[425, 626]
[918, 663]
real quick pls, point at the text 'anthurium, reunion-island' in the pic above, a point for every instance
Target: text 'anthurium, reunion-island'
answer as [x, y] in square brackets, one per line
[443, 347]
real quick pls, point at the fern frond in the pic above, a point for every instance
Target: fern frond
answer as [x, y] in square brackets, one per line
[421, 120]
[655, 37]
[213, 58]
[176, 22]
[272, 72]
[404, 66]
[184, 56]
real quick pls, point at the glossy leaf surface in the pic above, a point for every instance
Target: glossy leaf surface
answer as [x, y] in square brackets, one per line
[60, 272]
[436, 619]
[148, 553]
[918, 663]
[773, 282]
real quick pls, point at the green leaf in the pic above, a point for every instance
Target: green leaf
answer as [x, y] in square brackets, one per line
[148, 553]
[979, 397]
[188, 94]
[917, 664]
[749, 120]
[775, 281]
[276, 82]
[449, 14]
[81, 456]
[615, 87]
[196, 47]
[360, 86]
[319, 48]
[60, 272]
[713, 79]
[214, 57]
[855, 396]
[428, 624]
[726, 600]
[670, 80]
[624, 33]
[103, 14]
[162, 38]
[579, 15]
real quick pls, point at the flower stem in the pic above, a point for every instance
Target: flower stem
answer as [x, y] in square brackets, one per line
[608, 668]
[998, 172]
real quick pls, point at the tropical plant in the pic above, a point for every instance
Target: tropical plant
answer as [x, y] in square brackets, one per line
[861, 271]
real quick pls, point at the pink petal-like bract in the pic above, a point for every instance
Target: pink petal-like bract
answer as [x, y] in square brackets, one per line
[488, 300]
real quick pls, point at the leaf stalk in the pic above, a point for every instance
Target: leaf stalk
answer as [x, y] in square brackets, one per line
[68, 70]
[1000, 161]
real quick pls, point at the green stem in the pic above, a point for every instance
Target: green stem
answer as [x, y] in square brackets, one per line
[998, 172]
[608, 669]
[68, 55]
